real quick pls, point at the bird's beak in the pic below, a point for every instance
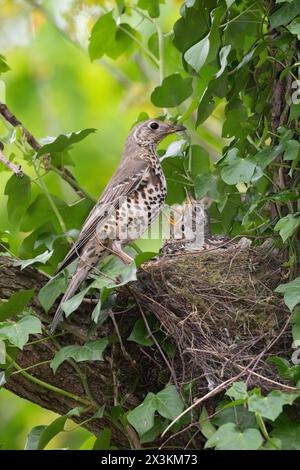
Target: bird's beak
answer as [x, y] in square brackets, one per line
[176, 128]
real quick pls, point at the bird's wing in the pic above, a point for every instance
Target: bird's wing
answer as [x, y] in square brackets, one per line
[125, 180]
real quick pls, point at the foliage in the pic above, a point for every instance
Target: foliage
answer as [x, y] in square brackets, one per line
[229, 65]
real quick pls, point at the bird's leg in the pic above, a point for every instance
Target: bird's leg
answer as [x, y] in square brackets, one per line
[117, 250]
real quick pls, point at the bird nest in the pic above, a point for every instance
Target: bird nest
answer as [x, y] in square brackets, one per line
[219, 307]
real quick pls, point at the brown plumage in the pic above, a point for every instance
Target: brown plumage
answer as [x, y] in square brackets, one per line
[129, 203]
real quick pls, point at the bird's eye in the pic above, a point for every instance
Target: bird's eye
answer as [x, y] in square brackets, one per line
[153, 125]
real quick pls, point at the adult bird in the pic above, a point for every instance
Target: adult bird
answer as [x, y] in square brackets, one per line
[128, 205]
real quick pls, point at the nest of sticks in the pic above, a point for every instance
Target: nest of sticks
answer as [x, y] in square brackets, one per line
[219, 307]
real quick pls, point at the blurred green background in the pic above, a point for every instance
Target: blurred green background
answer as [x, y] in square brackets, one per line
[54, 88]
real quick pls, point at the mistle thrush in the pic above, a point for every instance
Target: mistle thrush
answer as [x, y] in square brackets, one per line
[128, 205]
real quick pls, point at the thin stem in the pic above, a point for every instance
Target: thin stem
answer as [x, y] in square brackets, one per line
[161, 50]
[32, 366]
[50, 199]
[47, 386]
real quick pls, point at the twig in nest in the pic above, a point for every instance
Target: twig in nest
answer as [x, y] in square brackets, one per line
[16, 169]
[123, 349]
[133, 294]
[210, 394]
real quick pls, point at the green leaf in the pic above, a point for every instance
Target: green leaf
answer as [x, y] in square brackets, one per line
[2, 352]
[92, 351]
[33, 438]
[103, 440]
[64, 141]
[199, 161]
[235, 169]
[271, 406]
[238, 391]
[205, 424]
[285, 14]
[229, 437]
[140, 334]
[224, 53]
[189, 29]
[173, 91]
[207, 184]
[287, 226]
[167, 403]
[42, 258]
[197, 54]
[51, 291]
[294, 27]
[152, 6]
[291, 291]
[50, 431]
[3, 65]
[16, 304]
[17, 333]
[123, 40]
[18, 191]
[291, 150]
[288, 431]
[102, 36]
[142, 417]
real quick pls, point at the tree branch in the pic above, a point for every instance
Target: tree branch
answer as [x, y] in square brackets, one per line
[34, 144]
[16, 169]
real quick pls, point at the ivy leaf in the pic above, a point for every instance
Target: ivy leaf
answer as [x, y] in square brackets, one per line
[152, 6]
[63, 142]
[207, 184]
[51, 291]
[224, 53]
[189, 29]
[288, 431]
[235, 169]
[229, 437]
[291, 150]
[291, 291]
[42, 258]
[102, 36]
[54, 428]
[123, 40]
[103, 440]
[287, 226]
[173, 91]
[238, 391]
[142, 417]
[140, 334]
[205, 50]
[92, 351]
[205, 424]
[271, 406]
[33, 437]
[16, 304]
[197, 54]
[2, 353]
[199, 161]
[19, 194]
[17, 333]
[285, 14]
[3, 65]
[294, 27]
[167, 403]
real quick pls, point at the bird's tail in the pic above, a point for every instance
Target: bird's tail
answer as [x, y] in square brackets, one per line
[77, 279]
